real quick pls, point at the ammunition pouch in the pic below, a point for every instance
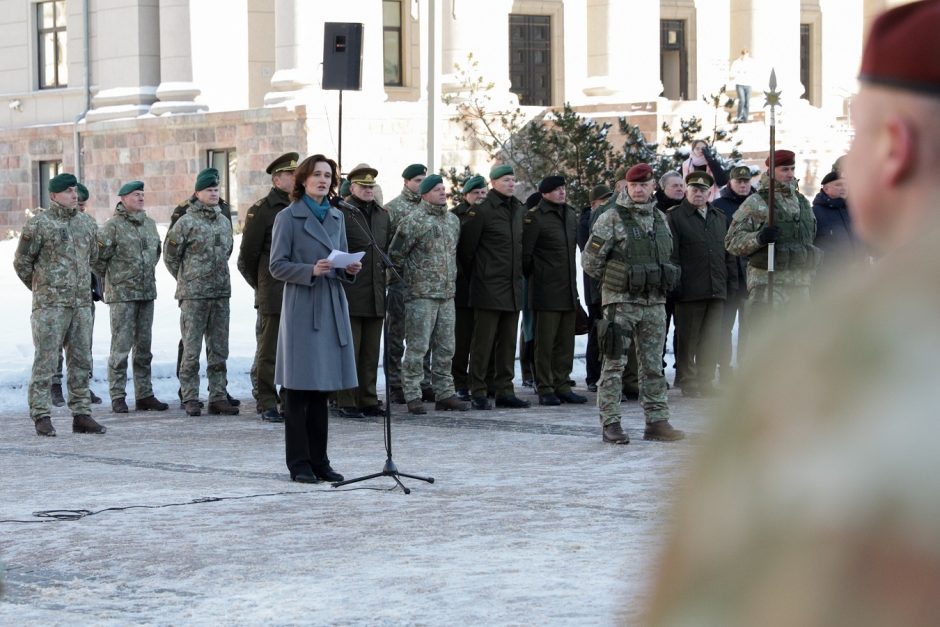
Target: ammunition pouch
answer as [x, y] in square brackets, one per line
[610, 339]
[615, 276]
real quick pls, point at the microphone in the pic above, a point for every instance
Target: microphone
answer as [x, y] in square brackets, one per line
[339, 203]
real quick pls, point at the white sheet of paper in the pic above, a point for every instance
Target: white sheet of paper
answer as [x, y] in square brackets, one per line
[339, 259]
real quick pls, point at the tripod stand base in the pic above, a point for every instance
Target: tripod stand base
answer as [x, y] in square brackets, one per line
[389, 470]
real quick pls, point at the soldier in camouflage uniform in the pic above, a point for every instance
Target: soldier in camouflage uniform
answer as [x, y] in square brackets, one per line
[128, 252]
[253, 257]
[53, 259]
[178, 212]
[425, 248]
[796, 259]
[398, 208]
[196, 254]
[628, 252]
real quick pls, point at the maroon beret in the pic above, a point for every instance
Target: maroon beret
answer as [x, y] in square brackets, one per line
[782, 157]
[903, 48]
[640, 173]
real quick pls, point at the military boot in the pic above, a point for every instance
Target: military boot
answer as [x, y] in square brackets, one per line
[452, 404]
[613, 433]
[57, 399]
[234, 402]
[44, 426]
[193, 407]
[83, 423]
[427, 394]
[222, 407]
[150, 403]
[416, 407]
[119, 405]
[94, 398]
[662, 431]
[397, 396]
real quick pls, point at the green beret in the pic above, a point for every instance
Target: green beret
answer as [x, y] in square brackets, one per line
[699, 179]
[499, 171]
[740, 172]
[82, 192]
[133, 186]
[413, 170]
[430, 183]
[61, 182]
[474, 182]
[207, 178]
[285, 163]
[344, 188]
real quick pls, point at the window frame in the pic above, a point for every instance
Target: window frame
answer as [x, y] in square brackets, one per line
[401, 33]
[46, 170]
[60, 56]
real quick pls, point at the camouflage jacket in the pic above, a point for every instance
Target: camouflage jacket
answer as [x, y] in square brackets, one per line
[609, 234]
[751, 217]
[401, 206]
[128, 251]
[425, 249]
[196, 253]
[54, 257]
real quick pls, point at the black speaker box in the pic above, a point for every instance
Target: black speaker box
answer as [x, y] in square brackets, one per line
[342, 56]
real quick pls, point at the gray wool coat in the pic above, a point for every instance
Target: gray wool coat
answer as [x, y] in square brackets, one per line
[314, 343]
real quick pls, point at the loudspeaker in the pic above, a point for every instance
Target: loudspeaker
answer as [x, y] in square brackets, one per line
[342, 56]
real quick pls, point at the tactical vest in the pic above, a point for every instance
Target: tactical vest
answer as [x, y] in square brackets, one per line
[641, 264]
[794, 248]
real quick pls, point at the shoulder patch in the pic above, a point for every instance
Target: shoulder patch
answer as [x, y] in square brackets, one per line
[249, 216]
[596, 243]
[471, 213]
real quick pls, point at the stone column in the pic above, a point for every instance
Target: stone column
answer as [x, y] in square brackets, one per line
[623, 59]
[177, 92]
[466, 29]
[289, 49]
[127, 64]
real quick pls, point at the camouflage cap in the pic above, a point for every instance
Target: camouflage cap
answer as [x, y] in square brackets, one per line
[62, 182]
[133, 186]
[285, 163]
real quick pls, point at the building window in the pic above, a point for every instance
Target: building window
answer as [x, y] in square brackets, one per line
[806, 48]
[673, 60]
[226, 162]
[391, 41]
[530, 59]
[47, 171]
[52, 44]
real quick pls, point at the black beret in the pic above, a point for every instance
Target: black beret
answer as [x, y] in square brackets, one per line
[551, 183]
[832, 176]
[533, 200]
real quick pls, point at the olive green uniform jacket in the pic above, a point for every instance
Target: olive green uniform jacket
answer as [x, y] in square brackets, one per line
[366, 296]
[255, 252]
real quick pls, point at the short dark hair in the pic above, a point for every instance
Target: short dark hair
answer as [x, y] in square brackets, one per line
[305, 169]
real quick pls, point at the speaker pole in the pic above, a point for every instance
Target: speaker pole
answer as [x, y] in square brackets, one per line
[339, 149]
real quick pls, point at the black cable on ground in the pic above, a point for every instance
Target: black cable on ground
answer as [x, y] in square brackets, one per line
[58, 515]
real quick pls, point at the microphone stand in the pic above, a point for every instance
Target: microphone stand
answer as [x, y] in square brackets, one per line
[390, 469]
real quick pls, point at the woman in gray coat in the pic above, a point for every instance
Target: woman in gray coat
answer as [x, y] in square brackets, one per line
[314, 345]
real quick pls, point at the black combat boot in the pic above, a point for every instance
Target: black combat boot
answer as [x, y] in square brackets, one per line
[512, 402]
[119, 405]
[272, 415]
[234, 402]
[427, 394]
[83, 423]
[571, 397]
[150, 403]
[44, 426]
[549, 399]
[57, 399]
[94, 398]
[397, 396]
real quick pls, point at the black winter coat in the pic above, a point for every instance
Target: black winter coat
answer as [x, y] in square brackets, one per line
[698, 247]
[255, 251]
[366, 296]
[549, 237]
[462, 285]
[490, 252]
[833, 227]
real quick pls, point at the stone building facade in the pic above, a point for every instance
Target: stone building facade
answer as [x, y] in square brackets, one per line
[115, 90]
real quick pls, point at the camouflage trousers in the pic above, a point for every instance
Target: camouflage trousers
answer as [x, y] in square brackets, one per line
[57, 377]
[54, 328]
[131, 330]
[253, 373]
[429, 325]
[648, 325]
[395, 337]
[209, 318]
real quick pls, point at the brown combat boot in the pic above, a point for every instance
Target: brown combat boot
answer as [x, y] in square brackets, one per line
[119, 405]
[222, 407]
[416, 407]
[193, 407]
[662, 431]
[451, 404]
[613, 434]
[83, 423]
[150, 403]
[44, 426]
